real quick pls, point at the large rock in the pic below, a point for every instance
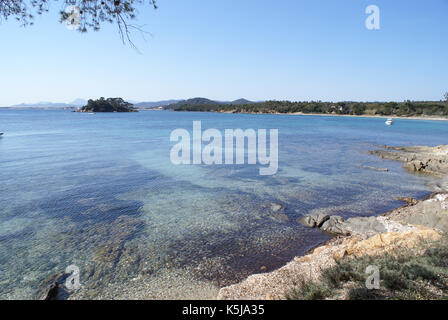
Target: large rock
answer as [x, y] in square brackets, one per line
[314, 220]
[432, 212]
[415, 165]
[364, 226]
[52, 288]
[335, 225]
[359, 226]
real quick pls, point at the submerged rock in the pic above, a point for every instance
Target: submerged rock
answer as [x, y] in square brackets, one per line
[280, 217]
[276, 207]
[53, 288]
[50, 291]
[376, 168]
[275, 212]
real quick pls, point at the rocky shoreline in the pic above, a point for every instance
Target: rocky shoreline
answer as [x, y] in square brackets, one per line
[431, 160]
[404, 227]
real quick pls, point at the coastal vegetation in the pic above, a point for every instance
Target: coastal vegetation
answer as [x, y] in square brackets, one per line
[406, 108]
[418, 273]
[204, 103]
[108, 105]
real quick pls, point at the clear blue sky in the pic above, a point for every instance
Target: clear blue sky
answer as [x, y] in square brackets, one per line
[256, 49]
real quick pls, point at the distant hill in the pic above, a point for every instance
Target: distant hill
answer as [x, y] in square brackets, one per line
[44, 105]
[193, 102]
[51, 105]
[205, 102]
[239, 101]
[155, 104]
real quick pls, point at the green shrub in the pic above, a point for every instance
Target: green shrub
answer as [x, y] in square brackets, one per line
[420, 273]
[308, 290]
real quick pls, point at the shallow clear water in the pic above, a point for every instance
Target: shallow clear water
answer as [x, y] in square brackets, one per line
[99, 191]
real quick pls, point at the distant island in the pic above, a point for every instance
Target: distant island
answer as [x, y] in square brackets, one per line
[108, 105]
[401, 109]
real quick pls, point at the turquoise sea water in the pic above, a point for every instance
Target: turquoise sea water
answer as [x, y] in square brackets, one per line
[99, 191]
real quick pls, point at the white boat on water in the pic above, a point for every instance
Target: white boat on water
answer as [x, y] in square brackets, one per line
[389, 122]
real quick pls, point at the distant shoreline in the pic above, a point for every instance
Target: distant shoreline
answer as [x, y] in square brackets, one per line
[432, 118]
[336, 115]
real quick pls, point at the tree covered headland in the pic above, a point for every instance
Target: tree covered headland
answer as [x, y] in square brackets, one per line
[406, 108]
[108, 105]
